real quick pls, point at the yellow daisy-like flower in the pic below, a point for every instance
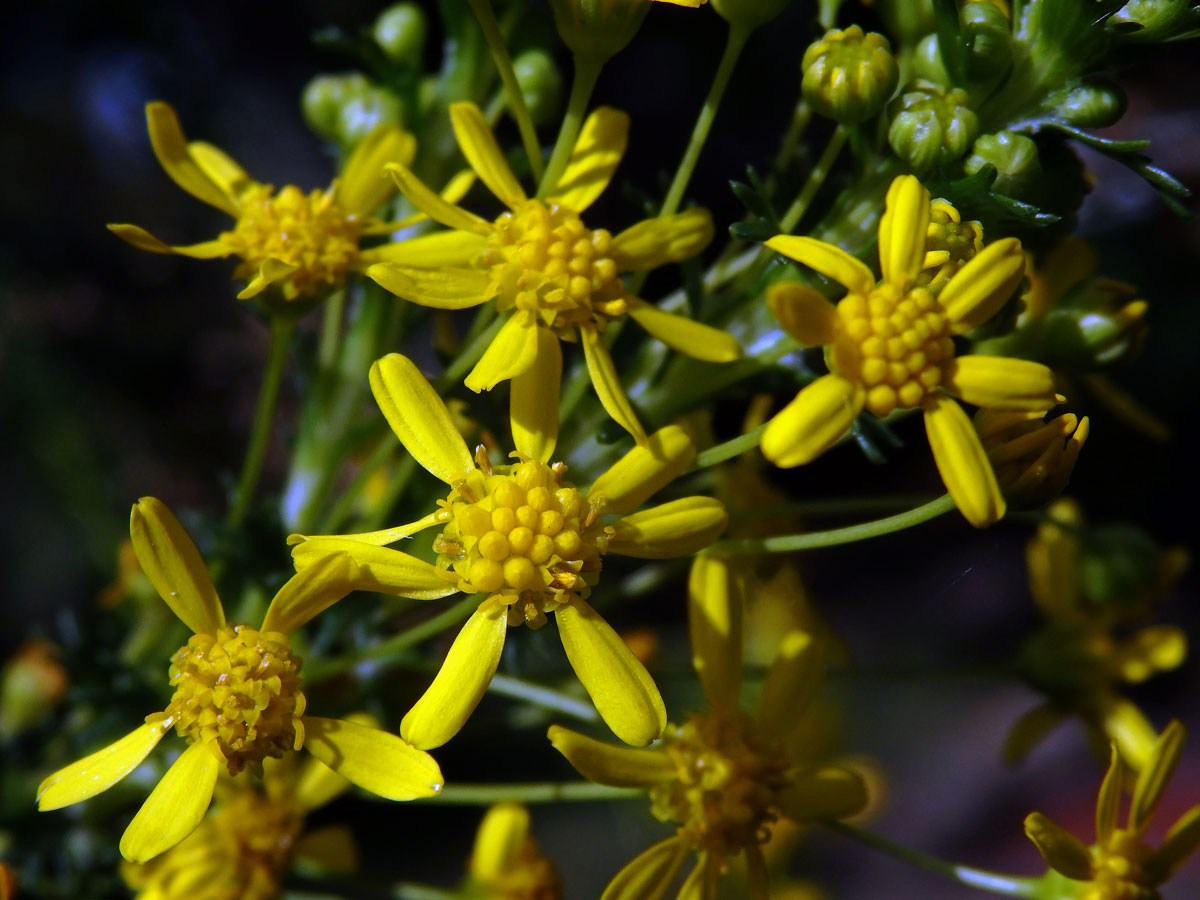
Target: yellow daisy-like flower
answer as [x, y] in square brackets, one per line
[890, 345]
[1121, 865]
[531, 541]
[724, 776]
[551, 275]
[237, 700]
[305, 244]
[506, 863]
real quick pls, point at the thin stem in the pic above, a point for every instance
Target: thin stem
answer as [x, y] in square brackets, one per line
[838, 506]
[791, 140]
[994, 882]
[718, 453]
[516, 100]
[587, 71]
[331, 330]
[544, 792]
[788, 542]
[468, 357]
[404, 473]
[282, 328]
[507, 686]
[341, 509]
[816, 177]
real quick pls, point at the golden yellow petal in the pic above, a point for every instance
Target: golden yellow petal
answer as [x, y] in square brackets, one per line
[607, 764]
[1153, 778]
[829, 793]
[419, 417]
[533, 411]
[715, 609]
[1062, 851]
[983, 285]
[608, 384]
[460, 683]
[364, 186]
[453, 248]
[597, 151]
[479, 146]
[680, 333]
[310, 592]
[448, 287]
[644, 470]
[1127, 727]
[175, 806]
[813, 422]
[512, 352]
[831, 261]
[902, 232]
[434, 205]
[802, 312]
[624, 693]
[379, 538]
[377, 568]
[374, 760]
[648, 875]
[997, 382]
[269, 272]
[791, 682]
[672, 529]
[220, 167]
[98, 771]
[144, 240]
[1108, 800]
[173, 565]
[961, 461]
[500, 837]
[655, 242]
[170, 146]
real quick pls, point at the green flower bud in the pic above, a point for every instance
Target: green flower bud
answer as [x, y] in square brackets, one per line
[1158, 19]
[848, 75]
[598, 29]
[927, 61]
[988, 34]
[1089, 105]
[400, 32]
[1015, 157]
[540, 83]
[324, 97]
[360, 114]
[749, 13]
[931, 125]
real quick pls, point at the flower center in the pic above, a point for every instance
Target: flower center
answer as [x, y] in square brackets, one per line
[311, 232]
[728, 776]
[894, 344]
[524, 535]
[546, 261]
[239, 692]
[1120, 871]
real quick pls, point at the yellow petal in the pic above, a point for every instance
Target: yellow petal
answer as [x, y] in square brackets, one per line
[374, 760]
[672, 529]
[458, 186]
[680, 333]
[791, 682]
[459, 684]
[511, 353]
[648, 875]
[1153, 778]
[533, 410]
[644, 471]
[1127, 727]
[364, 186]
[377, 568]
[173, 565]
[813, 422]
[175, 806]
[419, 417]
[380, 538]
[983, 285]
[606, 764]
[1158, 648]
[996, 382]
[597, 151]
[220, 167]
[100, 770]
[902, 231]
[331, 848]
[701, 882]
[448, 287]
[962, 462]
[500, 837]
[715, 603]
[655, 242]
[1062, 851]
[804, 314]
[479, 146]
[1108, 800]
[1180, 843]
[827, 259]
[317, 784]
[624, 693]
[608, 385]
[310, 592]
[269, 272]
[829, 793]
[430, 251]
[438, 208]
[170, 146]
[144, 240]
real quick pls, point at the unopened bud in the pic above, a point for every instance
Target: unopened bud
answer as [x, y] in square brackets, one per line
[749, 13]
[598, 29]
[848, 75]
[1089, 105]
[988, 35]
[1151, 20]
[931, 125]
[32, 683]
[1032, 458]
[1014, 156]
[540, 83]
[362, 114]
[400, 32]
[324, 97]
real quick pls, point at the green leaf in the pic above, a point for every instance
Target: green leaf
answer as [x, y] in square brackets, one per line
[951, 42]
[1106, 146]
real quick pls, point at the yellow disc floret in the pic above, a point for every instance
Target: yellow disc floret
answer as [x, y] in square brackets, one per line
[1119, 870]
[548, 262]
[524, 535]
[311, 232]
[950, 243]
[894, 344]
[238, 691]
[728, 776]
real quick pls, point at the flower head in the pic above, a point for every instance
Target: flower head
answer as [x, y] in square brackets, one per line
[890, 345]
[533, 543]
[1032, 457]
[551, 275]
[237, 700]
[848, 75]
[506, 863]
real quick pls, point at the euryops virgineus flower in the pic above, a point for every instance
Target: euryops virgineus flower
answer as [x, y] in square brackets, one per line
[305, 244]
[848, 75]
[533, 543]
[890, 345]
[551, 276]
[1032, 457]
[1120, 865]
[1087, 649]
[724, 776]
[237, 700]
[506, 863]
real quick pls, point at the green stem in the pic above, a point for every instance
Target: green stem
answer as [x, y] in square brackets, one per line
[816, 177]
[834, 507]
[282, 328]
[791, 140]
[516, 100]
[380, 455]
[544, 792]
[981, 879]
[718, 453]
[466, 360]
[587, 71]
[507, 686]
[788, 542]
[331, 330]
[404, 473]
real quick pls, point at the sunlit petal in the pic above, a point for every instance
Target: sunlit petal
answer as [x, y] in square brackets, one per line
[597, 151]
[100, 770]
[479, 146]
[608, 764]
[689, 337]
[175, 806]
[962, 462]
[672, 529]
[608, 384]
[511, 353]
[655, 242]
[374, 760]
[533, 403]
[802, 312]
[644, 470]
[827, 259]
[813, 422]
[173, 565]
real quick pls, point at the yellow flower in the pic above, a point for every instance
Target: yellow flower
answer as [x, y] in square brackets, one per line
[532, 542]
[506, 863]
[1032, 458]
[950, 243]
[890, 345]
[246, 845]
[1120, 865]
[1086, 651]
[305, 244]
[724, 776]
[551, 275]
[237, 700]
